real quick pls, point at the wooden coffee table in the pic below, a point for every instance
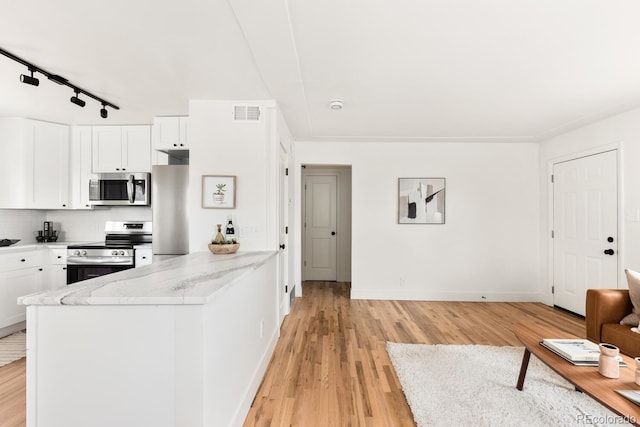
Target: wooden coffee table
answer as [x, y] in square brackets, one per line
[584, 378]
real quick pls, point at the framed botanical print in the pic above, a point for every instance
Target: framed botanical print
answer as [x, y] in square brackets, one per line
[218, 191]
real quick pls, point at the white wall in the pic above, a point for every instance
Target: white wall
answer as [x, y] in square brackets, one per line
[489, 245]
[220, 146]
[622, 131]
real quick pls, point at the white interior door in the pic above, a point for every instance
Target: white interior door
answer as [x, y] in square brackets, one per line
[320, 255]
[585, 224]
[283, 211]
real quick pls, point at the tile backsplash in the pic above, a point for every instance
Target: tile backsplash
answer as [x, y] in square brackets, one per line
[73, 226]
[21, 224]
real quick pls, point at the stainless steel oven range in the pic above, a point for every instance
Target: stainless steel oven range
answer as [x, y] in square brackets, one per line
[116, 253]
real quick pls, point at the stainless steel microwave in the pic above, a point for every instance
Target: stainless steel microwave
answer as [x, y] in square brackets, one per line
[120, 189]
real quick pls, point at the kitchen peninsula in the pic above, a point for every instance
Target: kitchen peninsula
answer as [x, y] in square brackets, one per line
[183, 342]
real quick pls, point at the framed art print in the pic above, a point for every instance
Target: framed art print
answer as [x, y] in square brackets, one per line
[421, 200]
[218, 191]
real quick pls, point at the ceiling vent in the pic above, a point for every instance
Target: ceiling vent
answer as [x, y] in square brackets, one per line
[246, 113]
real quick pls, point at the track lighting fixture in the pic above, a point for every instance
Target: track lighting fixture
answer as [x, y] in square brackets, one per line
[31, 80]
[79, 102]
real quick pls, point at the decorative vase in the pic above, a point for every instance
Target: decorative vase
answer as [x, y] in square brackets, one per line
[608, 365]
[219, 239]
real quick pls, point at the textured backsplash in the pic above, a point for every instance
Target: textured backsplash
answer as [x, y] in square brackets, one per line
[72, 225]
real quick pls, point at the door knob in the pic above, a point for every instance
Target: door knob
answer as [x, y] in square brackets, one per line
[333, 233]
[609, 252]
[610, 239]
[282, 246]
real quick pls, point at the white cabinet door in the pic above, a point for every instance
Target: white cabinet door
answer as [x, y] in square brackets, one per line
[50, 143]
[80, 167]
[56, 268]
[170, 133]
[107, 149]
[144, 256]
[37, 176]
[121, 149]
[136, 148]
[16, 175]
[57, 277]
[14, 284]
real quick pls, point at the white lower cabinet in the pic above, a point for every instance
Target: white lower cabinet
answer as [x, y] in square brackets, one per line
[57, 268]
[144, 255]
[21, 273]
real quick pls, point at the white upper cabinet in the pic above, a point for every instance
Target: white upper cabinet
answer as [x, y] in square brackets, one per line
[107, 149]
[36, 173]
[50, 165]
[136, 148]
[80, 167]
[121, 149]
[170, 133]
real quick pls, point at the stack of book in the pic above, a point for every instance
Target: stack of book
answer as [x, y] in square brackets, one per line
[580, 352]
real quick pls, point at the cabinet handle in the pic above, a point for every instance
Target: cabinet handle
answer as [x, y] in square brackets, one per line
[39, 269]
[64, 268]
[117, 169]
[59, 256]
[175, 145]
[22, 260]
[64, 206]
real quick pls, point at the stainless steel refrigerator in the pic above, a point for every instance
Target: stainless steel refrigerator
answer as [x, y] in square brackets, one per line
[169, 204]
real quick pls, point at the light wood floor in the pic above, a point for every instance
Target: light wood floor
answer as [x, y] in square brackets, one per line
[13, 394]
[330, 367]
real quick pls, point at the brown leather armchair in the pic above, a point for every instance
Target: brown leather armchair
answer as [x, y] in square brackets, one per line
[605, 308]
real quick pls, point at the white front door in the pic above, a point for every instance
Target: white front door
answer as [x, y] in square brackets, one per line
[585, 227]
[320, 255]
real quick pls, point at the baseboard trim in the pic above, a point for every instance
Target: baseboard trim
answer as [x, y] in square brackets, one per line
[422, 295]
[8, 330]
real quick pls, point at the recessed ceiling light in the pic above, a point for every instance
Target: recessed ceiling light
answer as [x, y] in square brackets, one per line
[336, 104]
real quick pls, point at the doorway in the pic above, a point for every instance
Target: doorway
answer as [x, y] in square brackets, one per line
[585, 228]
[326, 223]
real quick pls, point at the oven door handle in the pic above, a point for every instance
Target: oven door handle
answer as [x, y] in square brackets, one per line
[72, 260]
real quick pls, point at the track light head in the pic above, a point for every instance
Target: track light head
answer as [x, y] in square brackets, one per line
[30, 80]
[79, 102]
[103, 112]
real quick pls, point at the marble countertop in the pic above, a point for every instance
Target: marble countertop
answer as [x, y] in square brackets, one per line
[189, 279]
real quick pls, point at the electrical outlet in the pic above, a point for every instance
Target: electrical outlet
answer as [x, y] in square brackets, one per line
[249, 231]
[261, 328]
[402, 281]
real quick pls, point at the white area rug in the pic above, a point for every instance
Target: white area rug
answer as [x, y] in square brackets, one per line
[13, 347]
[475, 385]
